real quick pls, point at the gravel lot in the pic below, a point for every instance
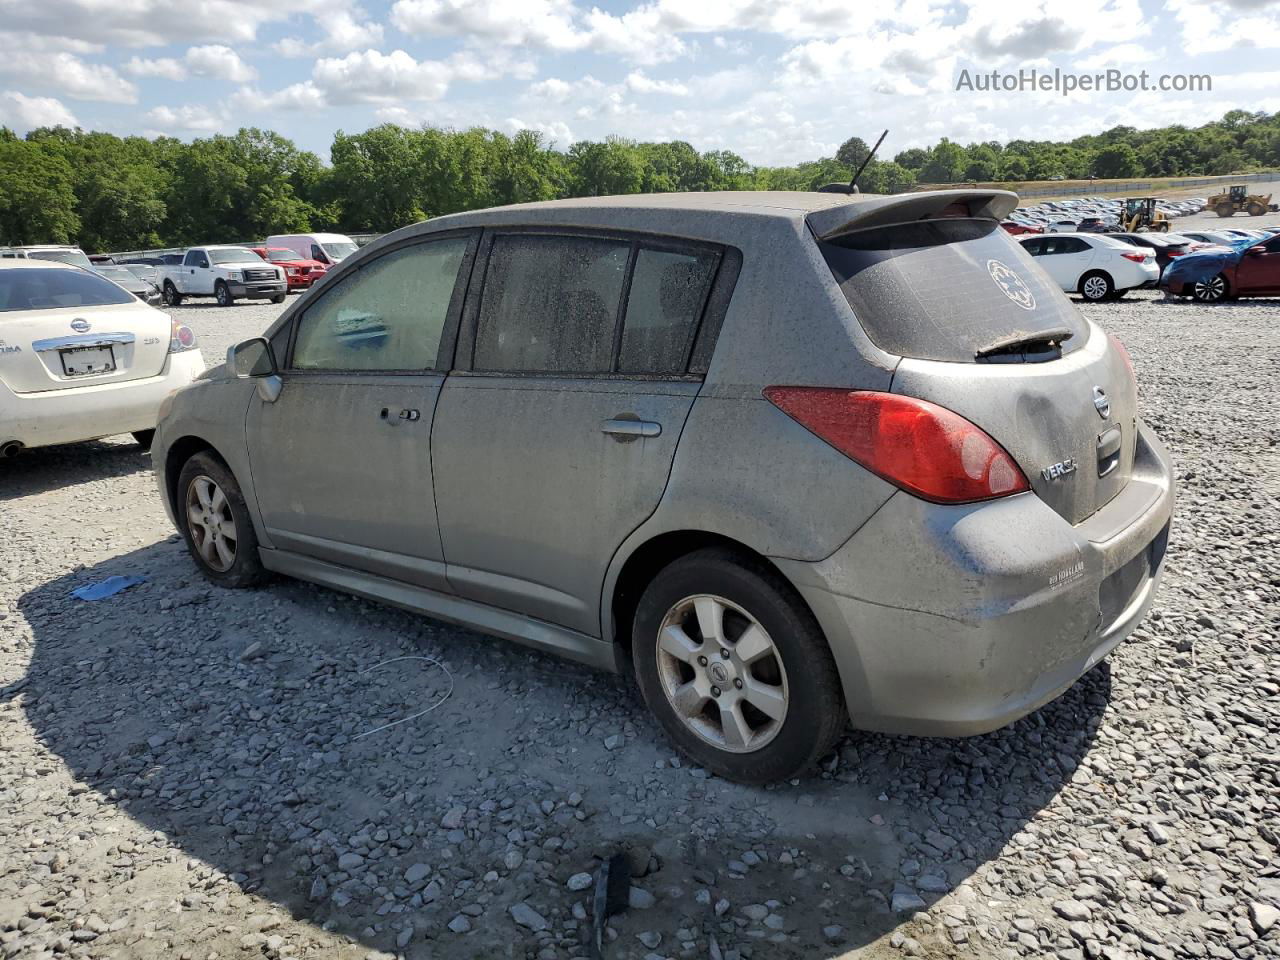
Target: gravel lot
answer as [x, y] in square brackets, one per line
[183, 774]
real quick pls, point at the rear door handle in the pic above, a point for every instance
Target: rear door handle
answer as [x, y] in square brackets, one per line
[631, 428]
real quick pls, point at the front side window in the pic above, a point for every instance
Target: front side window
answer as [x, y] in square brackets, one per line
[550, 304]
[388, 315]
[54, 287]
[339, 249]
[665, 303]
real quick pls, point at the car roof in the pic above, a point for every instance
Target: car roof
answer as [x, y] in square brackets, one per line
[22, 263]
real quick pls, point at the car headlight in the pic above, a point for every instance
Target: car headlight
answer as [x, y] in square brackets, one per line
[292, 271]
[234, 275]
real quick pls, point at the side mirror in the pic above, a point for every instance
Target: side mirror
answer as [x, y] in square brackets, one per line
[1257, 251]
[252, 358]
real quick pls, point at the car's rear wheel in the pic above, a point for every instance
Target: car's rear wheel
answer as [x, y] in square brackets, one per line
[215, 523]
[735, 668]
[1096, 286]
[1224, 210]
[1210, 291]
[172, 297]
[222, 293]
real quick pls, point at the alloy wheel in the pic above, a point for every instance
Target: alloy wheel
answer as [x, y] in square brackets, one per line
[1095, 288]
[1211, 290]
[212, 525]
[722, 674]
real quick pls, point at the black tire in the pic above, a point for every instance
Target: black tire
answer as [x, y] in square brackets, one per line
[1213, 290]
[171, 295]
[279, 299]
[1224, 210]
[814, 714]
[222, 293]
[144, 438]
[245, 568]
[1096, 286]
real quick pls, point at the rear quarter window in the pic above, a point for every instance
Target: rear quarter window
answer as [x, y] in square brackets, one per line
[945, 289]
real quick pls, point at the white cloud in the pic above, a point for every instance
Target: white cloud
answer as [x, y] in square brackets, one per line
[373, 77]
[552, 88]
[220, 62]
[555, 132]
[188, 117]
[21, 113]
[540, 23]
[165, 67]
[639, 83]
[344, 30]
[141, 23]
[28, 42]
[1208, 27]
[67, 74]
[1121, 55]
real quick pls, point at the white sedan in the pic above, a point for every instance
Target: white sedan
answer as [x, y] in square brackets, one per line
[1093, 264]
[82, 358]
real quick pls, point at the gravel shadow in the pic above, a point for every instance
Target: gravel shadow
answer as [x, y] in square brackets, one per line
[232, 721]
[41, 469]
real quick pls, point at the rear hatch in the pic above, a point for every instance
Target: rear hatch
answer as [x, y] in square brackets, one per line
[986, 333]
[47, 345]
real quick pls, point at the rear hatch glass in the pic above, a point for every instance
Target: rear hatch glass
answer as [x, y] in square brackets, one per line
[947, 289]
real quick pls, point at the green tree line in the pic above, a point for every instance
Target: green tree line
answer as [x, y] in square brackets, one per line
[115, 193]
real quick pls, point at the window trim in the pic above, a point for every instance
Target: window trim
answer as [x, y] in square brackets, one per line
[706, 327]
[448, 335]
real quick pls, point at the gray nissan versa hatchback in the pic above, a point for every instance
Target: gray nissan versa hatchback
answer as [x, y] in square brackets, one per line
[792, 459]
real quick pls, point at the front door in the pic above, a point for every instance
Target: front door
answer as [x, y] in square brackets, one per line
[341, 460]
[194, 275]
[558, 442]
[1260, 272]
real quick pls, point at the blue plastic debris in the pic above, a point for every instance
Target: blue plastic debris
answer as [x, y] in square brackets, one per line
[106, 588]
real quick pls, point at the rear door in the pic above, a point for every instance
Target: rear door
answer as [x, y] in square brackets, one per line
[937, 292]
[555, 440]
[342, 460]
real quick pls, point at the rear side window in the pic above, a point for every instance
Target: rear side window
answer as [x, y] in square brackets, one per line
[668, 293]
[945, 289]
[49, 289]
[389, 315]
[550, 304]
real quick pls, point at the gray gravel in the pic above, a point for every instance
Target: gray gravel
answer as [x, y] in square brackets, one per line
[169, 790]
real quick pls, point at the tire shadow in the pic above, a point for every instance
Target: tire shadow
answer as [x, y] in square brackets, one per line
[252, 759]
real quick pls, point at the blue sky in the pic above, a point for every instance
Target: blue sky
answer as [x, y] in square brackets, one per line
[777, 82]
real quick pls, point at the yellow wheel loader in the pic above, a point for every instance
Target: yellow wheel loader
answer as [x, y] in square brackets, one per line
[1236, 199]
[1141, 216]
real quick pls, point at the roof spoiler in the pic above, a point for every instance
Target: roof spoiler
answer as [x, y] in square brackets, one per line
[904, 207]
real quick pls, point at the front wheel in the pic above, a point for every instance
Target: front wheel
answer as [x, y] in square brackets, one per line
[1256, 209]
[1096, 287]
[735, 668]
[215, 523]
[278, 299]
[1212, 290]
[222, 293]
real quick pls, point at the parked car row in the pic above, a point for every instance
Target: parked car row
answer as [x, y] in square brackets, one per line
[1091, 215]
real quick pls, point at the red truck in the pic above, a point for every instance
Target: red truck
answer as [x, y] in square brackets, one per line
[299, 272]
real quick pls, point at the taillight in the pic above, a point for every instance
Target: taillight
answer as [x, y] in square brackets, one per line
[181, 337]
[1135, 257]
[1123, 351]
[923, 448]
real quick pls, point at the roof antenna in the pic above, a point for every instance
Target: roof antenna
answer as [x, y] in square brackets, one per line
[852, 185]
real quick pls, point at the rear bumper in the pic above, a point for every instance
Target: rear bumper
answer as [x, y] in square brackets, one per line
[957, 620]
[91, 411]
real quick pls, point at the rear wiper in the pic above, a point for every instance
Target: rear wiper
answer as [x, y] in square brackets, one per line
[1022, 342]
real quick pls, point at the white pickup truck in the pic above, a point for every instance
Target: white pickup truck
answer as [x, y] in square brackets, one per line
[224, 272]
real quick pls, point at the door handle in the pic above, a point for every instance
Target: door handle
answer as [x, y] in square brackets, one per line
[628, 429]
[393, 418]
